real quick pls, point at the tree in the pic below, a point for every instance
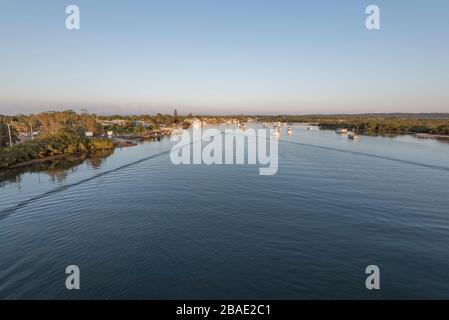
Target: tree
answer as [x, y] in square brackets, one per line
[175, 116]
[4, 133]
[55, 122]
[139, 129]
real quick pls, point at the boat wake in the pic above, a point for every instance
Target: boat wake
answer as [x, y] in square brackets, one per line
[6, 212]
[371, 155]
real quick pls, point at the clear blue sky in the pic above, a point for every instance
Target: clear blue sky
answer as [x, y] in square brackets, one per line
[224, 56]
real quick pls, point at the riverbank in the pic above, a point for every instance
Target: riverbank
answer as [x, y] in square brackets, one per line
[121, 143]
[441, 137]
[49, 148]
[41, 160]
[61, 146]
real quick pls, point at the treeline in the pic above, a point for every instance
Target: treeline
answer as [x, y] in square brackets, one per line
[59, 133]
[52, 122]
[375, 123]
[152, 122]
[156, 120]
[50, 146]
[389, 125]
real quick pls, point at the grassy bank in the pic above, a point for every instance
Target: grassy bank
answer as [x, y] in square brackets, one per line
[50, 146]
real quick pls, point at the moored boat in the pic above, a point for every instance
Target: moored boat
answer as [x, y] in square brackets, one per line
[341, 131]
[196, 124]
[353, 135]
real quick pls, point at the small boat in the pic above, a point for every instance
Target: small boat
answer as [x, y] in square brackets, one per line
[289, 130]
[353, 135]
[242, 126]
[341, 131]
[265, 125]
[309, 128]
[276, 131]
[196, 124]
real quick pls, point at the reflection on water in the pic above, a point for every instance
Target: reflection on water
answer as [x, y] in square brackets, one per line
[56, 169]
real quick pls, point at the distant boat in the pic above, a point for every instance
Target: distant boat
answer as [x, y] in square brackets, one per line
[309, 128]
[177, 131]
[196, 124]
[289, 130]
[341, 131]
[265, 125]
[353, 135]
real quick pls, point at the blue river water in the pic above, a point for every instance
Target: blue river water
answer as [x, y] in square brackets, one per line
[140, 227]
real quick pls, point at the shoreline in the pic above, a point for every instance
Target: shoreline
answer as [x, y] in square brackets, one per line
[123, 142]
[40, 160]
[120, 143]
[441, 137]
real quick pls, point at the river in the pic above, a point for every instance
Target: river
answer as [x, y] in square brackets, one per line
[138, 226]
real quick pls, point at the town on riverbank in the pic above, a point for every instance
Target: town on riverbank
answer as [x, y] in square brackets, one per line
[47, 136]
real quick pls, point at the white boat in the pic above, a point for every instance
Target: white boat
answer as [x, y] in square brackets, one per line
[265, 125]
[276, 131]
[341, 131]
[196, 124]
[353, 135]
[309, 128]
[289, 130]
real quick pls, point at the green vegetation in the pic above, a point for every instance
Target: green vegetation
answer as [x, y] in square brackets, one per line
[53, 122]
[63, 133]
[49, 146]
[4, 133]
[376, 123]
[389, 125]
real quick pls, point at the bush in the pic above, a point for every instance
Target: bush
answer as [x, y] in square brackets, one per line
[52, 145]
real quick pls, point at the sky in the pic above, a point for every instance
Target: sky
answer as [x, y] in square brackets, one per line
[224, 57]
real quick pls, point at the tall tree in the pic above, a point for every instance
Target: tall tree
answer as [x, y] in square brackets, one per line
[175, 116]
[4, 133]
